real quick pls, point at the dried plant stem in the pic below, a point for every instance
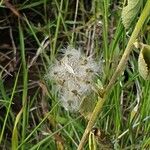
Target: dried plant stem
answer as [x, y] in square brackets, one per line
[118, 71]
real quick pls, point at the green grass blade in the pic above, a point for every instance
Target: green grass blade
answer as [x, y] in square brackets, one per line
[9, 108]
[25, 84]
[14, 139]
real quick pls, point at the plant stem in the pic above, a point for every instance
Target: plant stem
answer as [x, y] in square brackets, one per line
[57, 28]
[75, 19]
[25, 85]
[118, 71]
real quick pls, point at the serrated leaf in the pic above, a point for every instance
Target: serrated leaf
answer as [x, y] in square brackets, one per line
[130, 11]
[144, 62]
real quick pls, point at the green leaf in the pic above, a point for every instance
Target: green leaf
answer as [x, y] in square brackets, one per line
[15, 132]
[92, 141]
[130, 11]
[87, 105]
[144, 62]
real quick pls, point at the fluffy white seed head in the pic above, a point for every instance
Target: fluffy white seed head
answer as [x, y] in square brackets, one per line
[73, 76]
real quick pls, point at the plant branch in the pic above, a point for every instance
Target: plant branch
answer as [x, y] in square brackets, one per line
[117, 73]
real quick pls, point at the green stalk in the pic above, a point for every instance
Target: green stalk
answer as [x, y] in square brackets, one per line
[105, 31]
[57, 29]
[35, 129]
[25, 84]
[145, 13]
[9, 107]
[75, 19]
[63, 17]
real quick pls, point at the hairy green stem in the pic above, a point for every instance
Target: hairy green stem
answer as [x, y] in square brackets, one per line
[117, 73]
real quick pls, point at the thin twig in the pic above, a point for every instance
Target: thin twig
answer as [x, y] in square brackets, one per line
[14, 48]
[42, 47]
[117, 73]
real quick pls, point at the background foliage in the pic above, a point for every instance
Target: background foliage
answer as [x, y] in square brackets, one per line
[30, 115]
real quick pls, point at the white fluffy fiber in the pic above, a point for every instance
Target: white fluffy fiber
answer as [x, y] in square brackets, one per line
[73, 76]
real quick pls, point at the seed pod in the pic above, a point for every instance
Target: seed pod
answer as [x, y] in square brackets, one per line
[72, 77]
[144, 62]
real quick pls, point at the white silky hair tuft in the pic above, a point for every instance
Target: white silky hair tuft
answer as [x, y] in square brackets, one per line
[73, 76]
